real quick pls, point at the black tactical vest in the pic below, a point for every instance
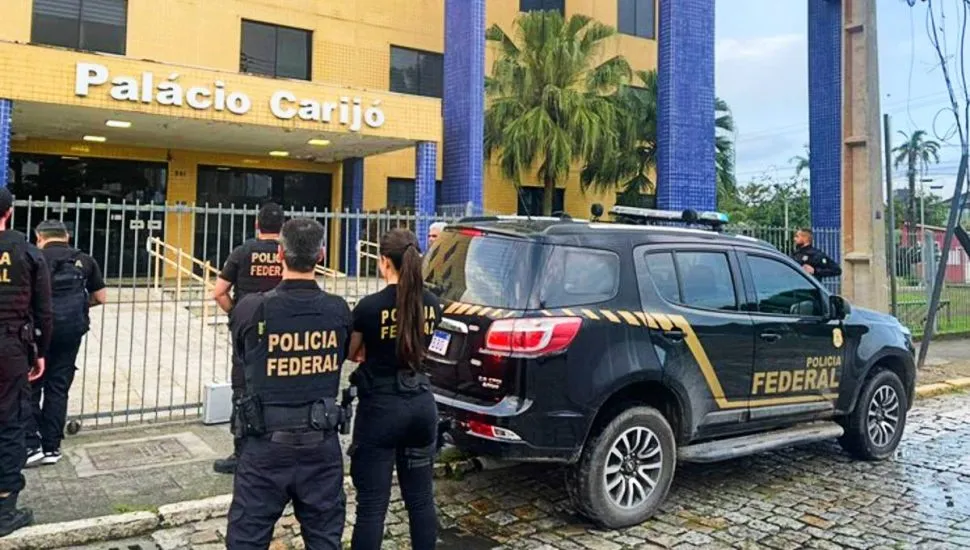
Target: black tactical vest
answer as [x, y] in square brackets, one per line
[301, 351]
[260, 269]
[15, 278]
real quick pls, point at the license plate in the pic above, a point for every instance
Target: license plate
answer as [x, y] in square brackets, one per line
[439, 342]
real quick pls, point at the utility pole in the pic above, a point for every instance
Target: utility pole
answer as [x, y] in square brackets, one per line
[865, 280]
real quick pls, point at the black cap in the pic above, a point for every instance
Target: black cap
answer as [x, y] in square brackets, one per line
[6, 200]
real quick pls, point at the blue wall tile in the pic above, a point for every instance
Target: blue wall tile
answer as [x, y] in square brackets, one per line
[825, 117]
[426, 162]
[6, 129]
[463, 102]
[685, 135]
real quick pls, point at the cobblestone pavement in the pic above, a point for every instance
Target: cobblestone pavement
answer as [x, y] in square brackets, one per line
[810, 497]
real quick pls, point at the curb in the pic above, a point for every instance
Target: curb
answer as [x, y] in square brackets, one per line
[135, 524]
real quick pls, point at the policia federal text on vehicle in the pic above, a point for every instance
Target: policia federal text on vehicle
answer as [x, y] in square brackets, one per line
[292, 342]
[397, 421]
[621, 348]
[25, 334]
[252, 267]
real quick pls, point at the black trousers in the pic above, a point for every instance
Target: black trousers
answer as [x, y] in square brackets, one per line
[14, 411]
[269, 475]
[45, 429]
[394, 430]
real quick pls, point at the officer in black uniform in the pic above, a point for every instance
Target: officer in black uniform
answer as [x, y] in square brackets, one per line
[25, 333]
[813, 261]
[292, 342]
[252, 267]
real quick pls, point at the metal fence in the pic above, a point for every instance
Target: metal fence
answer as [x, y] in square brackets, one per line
[160, 339]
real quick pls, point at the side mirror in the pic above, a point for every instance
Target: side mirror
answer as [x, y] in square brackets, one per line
[839, 307]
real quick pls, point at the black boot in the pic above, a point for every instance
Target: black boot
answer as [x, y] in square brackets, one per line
[11, 518]
[225, 465]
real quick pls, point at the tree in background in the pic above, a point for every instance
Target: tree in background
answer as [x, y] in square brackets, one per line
[801, 162]
[549, 97]
[917, 152]
[767, 201]
[628, 168]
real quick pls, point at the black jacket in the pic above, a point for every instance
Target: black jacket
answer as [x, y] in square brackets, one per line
[823, 265]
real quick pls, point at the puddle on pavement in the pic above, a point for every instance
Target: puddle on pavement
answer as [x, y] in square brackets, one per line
[455, 539]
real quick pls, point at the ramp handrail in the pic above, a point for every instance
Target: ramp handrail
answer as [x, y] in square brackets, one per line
[368, 249]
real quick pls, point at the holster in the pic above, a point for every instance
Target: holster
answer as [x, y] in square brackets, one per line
[249, 417]
[404, 382]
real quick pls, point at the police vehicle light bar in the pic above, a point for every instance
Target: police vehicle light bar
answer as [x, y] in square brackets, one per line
[685, 216]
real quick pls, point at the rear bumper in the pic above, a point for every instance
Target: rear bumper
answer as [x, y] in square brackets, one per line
[519, 418]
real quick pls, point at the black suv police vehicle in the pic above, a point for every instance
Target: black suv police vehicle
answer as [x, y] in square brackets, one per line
[621, 348]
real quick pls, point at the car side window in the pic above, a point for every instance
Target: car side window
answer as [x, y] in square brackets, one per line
[577, 276]
[694, 279]
[782, 290]
[662, 272]
[706, 281]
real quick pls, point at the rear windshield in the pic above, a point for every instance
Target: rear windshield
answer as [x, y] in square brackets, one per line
[510, 273]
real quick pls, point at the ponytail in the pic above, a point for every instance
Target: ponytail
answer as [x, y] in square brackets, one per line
[401, 247]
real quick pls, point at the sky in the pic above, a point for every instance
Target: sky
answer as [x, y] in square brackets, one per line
[762, 73]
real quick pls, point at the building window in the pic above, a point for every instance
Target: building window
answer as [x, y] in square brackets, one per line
[400, 194]
[417, 72]
[276, 51]
[530, 201]
[543, 5]
[636, 17]
[94, 25]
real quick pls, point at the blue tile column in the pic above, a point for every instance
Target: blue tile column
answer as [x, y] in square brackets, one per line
[685, 118]
[463, 104]
[6, 130]
[426, 165]
[353, 200]
[825, 121]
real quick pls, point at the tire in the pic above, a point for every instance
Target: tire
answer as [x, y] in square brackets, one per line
[631, 501]
[885, 398]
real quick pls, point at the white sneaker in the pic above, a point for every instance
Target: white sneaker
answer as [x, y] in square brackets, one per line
[34, 457]
[51, 458]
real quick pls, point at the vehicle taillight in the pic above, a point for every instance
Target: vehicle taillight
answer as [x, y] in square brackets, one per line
[531, 337]
[471, 232]
[482, 429]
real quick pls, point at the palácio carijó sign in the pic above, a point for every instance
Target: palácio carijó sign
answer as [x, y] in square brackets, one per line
[283, 104]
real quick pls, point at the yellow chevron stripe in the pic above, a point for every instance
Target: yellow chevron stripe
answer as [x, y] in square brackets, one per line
[629, 318]
[472, 310]
[641, 316]
[461, 310]
[547, 313]
[484, 311]
[651, 322]
[452, 307]
[610, 315]
[590, 314]
[497, 313]
[664, 321]
[511, 314]
[568, 312]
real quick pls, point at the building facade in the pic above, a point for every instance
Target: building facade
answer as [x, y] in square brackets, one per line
[326, 104]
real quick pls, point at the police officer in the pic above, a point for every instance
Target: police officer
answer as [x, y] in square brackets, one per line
[76, 285]
[25, 312]
[252, 267]
[292, 341]
[397, 419]
[813, 261]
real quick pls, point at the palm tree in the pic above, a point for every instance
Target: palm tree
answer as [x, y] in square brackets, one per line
[801, 162]
[549, 98]
[917, 152]
[630, 166]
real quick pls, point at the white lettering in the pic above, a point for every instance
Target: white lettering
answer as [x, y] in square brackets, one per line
[193, 95]
[309, 110]
[328, 109]
[355, 125]
[169, 93]
[344, 111]
[220, 96]
[276, 105]
[147, 86]
[238, 103]
[374, 117]
[124, 88]
[88, 74]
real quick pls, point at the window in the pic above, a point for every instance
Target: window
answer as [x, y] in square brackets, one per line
[636, 17]
[417, 72]
[400, 194]
[575, 277]
[541, 5]
[664, 276]
[782, 290]
[95, 25]
[698, 279]
[275, 51]
[530, 201]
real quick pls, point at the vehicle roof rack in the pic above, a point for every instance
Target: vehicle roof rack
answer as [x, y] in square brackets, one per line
[647, 216]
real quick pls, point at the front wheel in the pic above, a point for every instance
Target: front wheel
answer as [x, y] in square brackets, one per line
[873, 430]
[625, 471]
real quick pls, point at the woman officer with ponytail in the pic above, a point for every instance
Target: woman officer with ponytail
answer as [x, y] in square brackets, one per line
[396, 421]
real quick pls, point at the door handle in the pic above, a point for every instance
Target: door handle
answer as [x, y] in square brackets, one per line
[770, 336]
[674, 334]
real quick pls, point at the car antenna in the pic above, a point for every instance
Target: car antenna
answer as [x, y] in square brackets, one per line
[518, 191]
